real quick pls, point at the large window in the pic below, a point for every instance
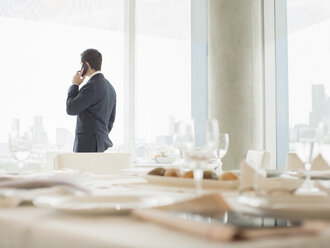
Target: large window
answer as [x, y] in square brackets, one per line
[163, 92]
[300, 98]
[41, 43]
[308, 65]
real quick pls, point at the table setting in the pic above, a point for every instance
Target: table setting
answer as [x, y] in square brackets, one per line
[187, 192]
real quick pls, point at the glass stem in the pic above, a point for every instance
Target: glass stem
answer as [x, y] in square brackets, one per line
[308, 174]
[198, 178]
[219, 167]
[181, 154]
[181, 162]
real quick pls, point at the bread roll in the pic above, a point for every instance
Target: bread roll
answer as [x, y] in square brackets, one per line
[228, 176]
[172, 173]
[188, 174]
[210, 175]
[157, 172]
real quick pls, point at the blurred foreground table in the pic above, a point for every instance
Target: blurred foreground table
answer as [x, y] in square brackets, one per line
[35, 227]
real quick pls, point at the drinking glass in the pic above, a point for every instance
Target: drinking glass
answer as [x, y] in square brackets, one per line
[20, 147]
[212, 134]
[183, 138]
[198, 157]
[306, 150]
[221, 151]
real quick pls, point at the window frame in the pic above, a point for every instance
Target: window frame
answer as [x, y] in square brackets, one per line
[276, 95]
[199, 72]
[276, 111]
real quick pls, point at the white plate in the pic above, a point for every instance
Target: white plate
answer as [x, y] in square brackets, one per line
[101, 204]
[290, 207]
[189, 182]
[153, 164]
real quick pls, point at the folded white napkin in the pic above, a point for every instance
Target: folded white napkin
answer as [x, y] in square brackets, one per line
[253, 178]
[294, 163]
[319, 163]
[259, 159]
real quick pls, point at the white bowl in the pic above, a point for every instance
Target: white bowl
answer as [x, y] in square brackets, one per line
[165, 160]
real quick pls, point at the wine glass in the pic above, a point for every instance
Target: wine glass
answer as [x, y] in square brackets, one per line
[212, 134]
[221, 151]
[306, 150]
[198, 157]
[183, 138]
[20, 147]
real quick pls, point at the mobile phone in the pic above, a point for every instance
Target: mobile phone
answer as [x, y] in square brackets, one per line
[85, 67]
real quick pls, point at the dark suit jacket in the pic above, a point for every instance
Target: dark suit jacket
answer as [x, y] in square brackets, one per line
[95, 107]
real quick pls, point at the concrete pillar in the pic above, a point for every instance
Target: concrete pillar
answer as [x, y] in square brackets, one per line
[236, 75]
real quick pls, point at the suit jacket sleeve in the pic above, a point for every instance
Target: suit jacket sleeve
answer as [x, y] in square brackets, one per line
[112, 118]
[78, 101]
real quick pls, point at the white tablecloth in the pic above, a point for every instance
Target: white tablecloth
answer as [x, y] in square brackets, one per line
[32, 227]
[28, 226]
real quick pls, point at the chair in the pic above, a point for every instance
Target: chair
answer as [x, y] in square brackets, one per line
[99, 163]
[258, 159]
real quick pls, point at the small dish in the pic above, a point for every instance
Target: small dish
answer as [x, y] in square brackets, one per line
[165, 160]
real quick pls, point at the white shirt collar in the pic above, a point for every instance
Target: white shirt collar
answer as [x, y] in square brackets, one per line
[97, 72]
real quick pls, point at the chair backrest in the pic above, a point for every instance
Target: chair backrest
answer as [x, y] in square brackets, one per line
[99, 163]
[258, 159]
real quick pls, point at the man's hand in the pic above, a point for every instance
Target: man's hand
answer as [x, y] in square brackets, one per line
[77, 79]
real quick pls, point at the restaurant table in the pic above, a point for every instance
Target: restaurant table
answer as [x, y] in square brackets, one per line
[29, 226]
[35, 227]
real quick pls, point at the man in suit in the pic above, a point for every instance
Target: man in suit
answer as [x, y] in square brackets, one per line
[94, 104]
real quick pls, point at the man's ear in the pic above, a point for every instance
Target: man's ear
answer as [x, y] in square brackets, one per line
[88, 65]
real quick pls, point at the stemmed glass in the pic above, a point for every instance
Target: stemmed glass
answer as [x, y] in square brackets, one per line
[20, 147]
[183, 138]
[199, 157]
[217, 142]
[212, 134]
[221, 151]
[306, 149]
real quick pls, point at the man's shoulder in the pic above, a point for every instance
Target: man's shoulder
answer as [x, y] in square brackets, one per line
[102, 84]
[102, 80]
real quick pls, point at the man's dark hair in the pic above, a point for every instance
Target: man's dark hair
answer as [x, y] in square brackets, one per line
[93, 57]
